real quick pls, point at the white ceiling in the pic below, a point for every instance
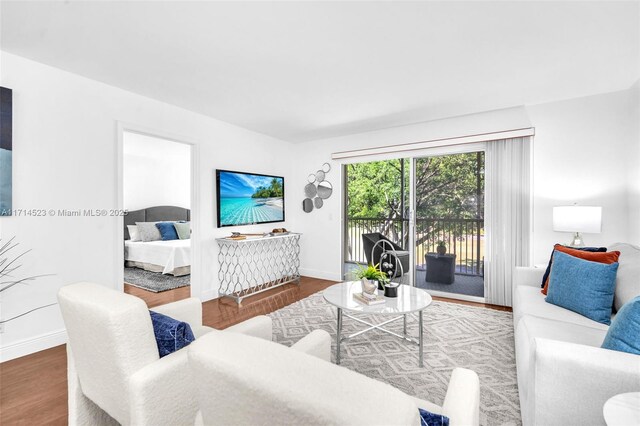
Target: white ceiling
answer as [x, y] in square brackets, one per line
[300, 71]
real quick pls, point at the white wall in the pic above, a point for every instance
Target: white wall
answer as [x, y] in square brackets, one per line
[581, 152]
[580, 155]
[65, 150]
[633, 167]
[156, 172]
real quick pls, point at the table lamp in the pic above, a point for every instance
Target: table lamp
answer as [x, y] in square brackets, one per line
[577, 219]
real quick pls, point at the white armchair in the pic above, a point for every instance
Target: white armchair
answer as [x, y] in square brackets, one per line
[242, 380]
[114, 370]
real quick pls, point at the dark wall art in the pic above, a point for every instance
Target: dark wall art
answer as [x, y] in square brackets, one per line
[6, 151]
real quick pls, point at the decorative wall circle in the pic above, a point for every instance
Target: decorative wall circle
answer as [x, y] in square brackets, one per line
[317, 189]
[310, 190]
[307, 205]
[325, 189]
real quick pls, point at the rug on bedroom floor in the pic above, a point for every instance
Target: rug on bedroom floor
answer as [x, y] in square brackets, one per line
[455, 335]
[154, 281]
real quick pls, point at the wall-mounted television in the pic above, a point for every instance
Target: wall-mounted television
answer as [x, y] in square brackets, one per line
[248, 198]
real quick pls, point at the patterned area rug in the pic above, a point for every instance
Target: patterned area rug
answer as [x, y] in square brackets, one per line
[455, 336]
[154, 281]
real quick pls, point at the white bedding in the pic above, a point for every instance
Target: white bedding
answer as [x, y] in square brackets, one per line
[170, 255]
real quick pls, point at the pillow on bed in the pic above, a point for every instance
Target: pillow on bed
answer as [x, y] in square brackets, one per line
[183, 229]
[148, 231]
[134, 235]
[167, 231]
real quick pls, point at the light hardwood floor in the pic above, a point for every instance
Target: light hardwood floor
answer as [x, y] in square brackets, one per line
[33, 389]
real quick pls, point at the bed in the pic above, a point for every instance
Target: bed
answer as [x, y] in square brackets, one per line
[168, 257]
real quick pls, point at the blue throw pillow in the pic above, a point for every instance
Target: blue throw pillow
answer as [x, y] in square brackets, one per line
[624, 333]
[171, 334]
[582, 286]
[548, 270]
[167, 231]
[430, 419]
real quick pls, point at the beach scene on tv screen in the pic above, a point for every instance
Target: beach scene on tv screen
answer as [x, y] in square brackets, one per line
[246, 198]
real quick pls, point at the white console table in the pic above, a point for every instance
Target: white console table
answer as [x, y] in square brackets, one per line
[254, 265]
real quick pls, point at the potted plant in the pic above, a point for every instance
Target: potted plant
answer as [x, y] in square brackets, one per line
[441, 249]
[371, 275]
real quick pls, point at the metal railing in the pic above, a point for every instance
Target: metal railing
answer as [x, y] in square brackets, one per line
[463, 237]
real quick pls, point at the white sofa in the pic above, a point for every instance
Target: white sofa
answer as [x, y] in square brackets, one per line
[115, 374]
[564, 377]
[247, 381]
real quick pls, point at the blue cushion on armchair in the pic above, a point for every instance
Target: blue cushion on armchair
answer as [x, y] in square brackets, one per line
[428, 418]
[171, 334]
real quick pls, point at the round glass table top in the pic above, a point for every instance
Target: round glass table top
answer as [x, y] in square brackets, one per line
[410, 299]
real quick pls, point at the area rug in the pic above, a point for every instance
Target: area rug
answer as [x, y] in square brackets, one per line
[154, 281]
[455, 336]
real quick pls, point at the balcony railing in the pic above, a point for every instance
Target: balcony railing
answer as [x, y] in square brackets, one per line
[463, 237]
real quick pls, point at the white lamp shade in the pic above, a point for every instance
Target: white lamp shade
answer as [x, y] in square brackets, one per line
[587, 219]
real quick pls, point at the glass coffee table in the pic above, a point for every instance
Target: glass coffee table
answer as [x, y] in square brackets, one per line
[409, 300]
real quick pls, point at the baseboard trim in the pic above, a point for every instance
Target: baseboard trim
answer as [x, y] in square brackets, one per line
[455, 296]
[33, 345]
[323, 275]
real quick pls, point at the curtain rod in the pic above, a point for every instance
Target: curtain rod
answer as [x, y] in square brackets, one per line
[415, 146]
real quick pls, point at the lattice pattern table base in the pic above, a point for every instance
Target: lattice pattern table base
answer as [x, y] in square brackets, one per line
[251, 266]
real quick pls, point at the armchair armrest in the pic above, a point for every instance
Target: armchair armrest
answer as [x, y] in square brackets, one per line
[163, 392]
[462, 402]
[527, 276]
[187, 310]
[260, 326]
[585, 377]
[316, 343]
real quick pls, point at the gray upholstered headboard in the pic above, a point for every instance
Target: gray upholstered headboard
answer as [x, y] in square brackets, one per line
[155, 214]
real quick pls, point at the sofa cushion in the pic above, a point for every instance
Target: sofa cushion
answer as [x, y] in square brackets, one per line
[628, 279]
[530, 328]
[586, 254]
[529, 301]
[624, 333]
[566, 249]
[582, 286]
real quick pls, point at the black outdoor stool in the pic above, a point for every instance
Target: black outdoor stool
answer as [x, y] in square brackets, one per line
[393, 271]
[441, 268]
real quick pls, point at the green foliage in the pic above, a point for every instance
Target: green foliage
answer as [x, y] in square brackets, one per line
[273, 190]
[450, 186]
[371, 272]
[375, 189]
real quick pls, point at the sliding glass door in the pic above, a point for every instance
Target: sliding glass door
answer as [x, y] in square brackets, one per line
[377, 207]
[431, 211]
[449, 223]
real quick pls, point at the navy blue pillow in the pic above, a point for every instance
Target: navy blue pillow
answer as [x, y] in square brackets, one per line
[429, 419]
[624, 333]
[171, 334]
[167, 231]
[582, 286]
[548, 270]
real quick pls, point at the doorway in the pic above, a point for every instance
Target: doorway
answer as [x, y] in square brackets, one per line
[449, 223]
[431, 208]
[156, 194]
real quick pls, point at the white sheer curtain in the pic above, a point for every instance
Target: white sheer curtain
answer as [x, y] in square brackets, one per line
[507, 215]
